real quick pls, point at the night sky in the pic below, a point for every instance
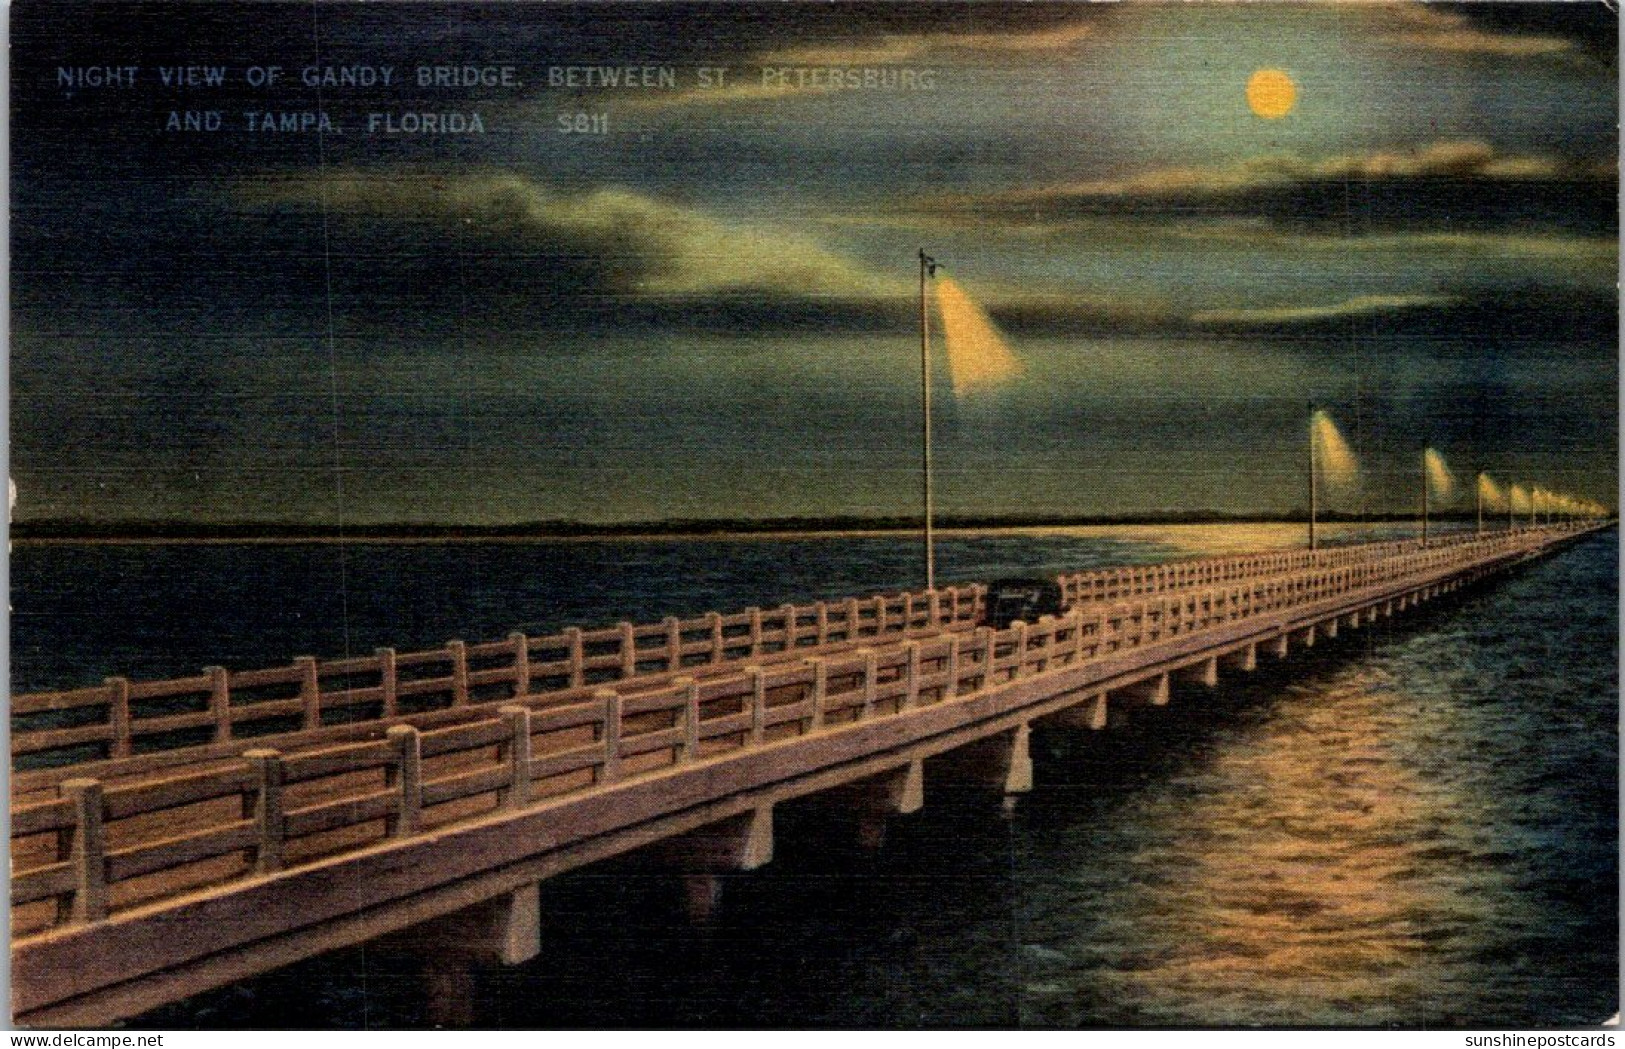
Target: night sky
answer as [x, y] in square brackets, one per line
[708, 310]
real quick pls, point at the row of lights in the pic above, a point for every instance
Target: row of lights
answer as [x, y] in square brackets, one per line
[1543, 504]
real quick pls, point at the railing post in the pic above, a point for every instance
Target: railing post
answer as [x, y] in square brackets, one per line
[266, 808]
[1046, 629]
[911, 676]
[820, 692]
[611, 701]
[577, 656]
[459, 673]
[933, 606]
[387, 680]
[755, 630]
[792, 627]
[521, 663]
[908, 611]
[871, 670]
[691, 718]
[517, 755]
[823, 624]
[405, 776]
[880, 615]
[629, 649]
[950, 686]
[758, 704]
[310, 695]
[1020, 629]
[854, 620]
[119, 715]
[219, 702]
[713, 621]
[674, 644]
[990, 656]
[88, 851]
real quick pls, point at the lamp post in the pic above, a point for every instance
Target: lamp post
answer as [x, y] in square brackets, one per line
[1313, 498]
[1424, 497]
[928, 268]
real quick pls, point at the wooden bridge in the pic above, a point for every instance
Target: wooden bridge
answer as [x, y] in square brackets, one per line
[172, 836]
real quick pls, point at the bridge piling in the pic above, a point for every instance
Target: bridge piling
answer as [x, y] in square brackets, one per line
[1153, 690]
[1090, 714]
[701, 857]
[873, 801]
[1244, 660]
[505, 930]
[1003, 761]
[1205, 673]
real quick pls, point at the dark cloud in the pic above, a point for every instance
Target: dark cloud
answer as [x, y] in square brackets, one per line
[1444, 186]
[1589, 28]
[1528, 314]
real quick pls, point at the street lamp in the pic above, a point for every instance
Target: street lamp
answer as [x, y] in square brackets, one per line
[928, 268]
[1312, 493]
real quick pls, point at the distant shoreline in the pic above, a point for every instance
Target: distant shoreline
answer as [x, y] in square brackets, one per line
[179, 533]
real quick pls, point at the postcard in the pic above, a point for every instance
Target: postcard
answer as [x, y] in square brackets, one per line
[814, 515]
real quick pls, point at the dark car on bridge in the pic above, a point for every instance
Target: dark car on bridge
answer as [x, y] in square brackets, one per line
[1025, 599]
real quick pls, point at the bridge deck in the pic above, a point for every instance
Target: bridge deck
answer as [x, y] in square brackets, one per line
[136, 883]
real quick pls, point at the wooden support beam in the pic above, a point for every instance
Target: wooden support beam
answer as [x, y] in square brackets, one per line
[448, 993]
[1205, 673]
[504, 930]
[1090, 714]
[702, 895]
[1278, 647]
[1244, 659]
[1003, 761]
[702, 856]
[1153, 690]
[739, 843]
[895, 793]
[1307, 637]
[1330, 627]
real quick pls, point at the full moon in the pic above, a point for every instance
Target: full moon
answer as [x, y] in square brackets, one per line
[1271, 94]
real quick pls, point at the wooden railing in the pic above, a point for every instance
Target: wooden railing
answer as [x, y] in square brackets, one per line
[121, 717]
[102, 847]
[1110, 584]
